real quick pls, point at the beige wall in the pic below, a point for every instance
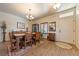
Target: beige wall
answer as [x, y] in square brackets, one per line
[56, 18]
[48, 19]
[52, 18]
[11, 22]
[77, 26]
[68, 14]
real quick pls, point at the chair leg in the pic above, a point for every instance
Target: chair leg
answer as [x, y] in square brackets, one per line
[39, 41]
[25, 44]
[34, 42]
[9, 51]
[31, 44]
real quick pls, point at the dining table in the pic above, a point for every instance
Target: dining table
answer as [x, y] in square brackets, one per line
[18, 37]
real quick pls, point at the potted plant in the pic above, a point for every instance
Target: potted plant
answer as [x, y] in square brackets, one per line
[4, 30]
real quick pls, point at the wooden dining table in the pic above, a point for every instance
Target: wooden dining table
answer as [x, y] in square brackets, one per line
[18, 37]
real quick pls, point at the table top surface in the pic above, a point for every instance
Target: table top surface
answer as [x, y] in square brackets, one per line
[19, 34]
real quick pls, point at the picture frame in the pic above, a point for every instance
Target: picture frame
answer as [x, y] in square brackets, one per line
[52, 26]
[20, 25]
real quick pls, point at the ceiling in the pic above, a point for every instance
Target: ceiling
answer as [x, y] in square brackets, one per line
[37, 9]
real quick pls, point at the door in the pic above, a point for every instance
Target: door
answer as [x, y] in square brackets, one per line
[67, 29]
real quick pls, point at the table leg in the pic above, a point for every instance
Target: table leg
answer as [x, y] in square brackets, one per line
[18, 43]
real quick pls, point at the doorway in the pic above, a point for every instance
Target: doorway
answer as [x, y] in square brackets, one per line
[67, 26]
[66, 30]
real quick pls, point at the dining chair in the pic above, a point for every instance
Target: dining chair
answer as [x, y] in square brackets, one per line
[12, 42]
[28, 39]
[34, 38]
[38, 37]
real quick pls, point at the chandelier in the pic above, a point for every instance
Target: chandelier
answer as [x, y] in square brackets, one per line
[56, 5]
[29, 15]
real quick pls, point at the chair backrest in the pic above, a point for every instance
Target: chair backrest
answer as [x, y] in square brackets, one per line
[28, 36]
[38, 35]
[11, 45]
[10, 35]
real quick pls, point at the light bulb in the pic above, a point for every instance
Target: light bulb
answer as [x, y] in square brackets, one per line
[57, 5]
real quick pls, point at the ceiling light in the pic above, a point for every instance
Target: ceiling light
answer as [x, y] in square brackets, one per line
[29, 15]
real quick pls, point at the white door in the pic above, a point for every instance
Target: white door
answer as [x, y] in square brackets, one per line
[67, 30]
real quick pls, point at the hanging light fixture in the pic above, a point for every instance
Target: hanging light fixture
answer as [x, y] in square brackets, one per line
[56, 5]
[29, 15]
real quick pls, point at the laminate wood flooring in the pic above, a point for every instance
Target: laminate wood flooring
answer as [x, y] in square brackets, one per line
[48, 48]
[45, 48]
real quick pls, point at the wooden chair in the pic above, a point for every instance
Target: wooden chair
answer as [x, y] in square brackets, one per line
[28, 39]
[38, 37]
[12, 42]
[34, 38]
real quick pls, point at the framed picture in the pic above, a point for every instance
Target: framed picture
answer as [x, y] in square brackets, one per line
[52, 26]
[20, 25]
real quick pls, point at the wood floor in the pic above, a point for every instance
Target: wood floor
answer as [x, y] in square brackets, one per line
[3, 49]
[46, 48]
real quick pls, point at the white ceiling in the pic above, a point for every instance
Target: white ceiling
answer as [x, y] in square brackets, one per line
[38, 9]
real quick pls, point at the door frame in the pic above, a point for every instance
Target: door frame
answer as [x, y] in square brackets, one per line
[74, 24]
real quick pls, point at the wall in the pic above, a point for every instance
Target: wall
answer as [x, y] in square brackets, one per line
[65, 6]
[11, 22]
[52, 18]
[48, 19]
[68, 14]
[56, 18]
[77, 26]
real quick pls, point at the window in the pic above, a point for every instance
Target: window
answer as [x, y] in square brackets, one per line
[44, 29]
[35, 27]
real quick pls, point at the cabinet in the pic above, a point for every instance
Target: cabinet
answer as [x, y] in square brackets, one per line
[51, 36]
